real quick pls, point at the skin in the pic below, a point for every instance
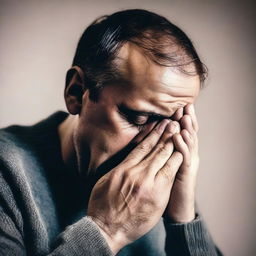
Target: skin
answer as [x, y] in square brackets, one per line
[158, 175]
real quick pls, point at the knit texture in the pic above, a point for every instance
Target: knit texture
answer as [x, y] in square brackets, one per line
[43, 207]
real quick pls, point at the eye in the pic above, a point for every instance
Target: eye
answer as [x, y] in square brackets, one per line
[138, 120]
[135, 120]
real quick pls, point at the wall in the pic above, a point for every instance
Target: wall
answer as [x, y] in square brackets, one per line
[38, 40]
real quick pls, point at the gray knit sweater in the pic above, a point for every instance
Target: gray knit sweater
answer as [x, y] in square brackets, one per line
[43, 208]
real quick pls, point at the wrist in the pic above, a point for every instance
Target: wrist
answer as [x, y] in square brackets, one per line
[182, 216]
[182, 219]
[115, 240]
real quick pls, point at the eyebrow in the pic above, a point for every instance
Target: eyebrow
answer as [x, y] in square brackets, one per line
[128, 111]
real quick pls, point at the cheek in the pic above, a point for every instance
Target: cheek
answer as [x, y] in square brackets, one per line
[105, 131]
[123, 138]
[119, 137]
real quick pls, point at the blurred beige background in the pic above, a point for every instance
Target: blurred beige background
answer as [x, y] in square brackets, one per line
[38, 40]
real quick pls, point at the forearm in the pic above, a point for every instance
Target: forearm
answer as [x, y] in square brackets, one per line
[81, 238]
[189, 239]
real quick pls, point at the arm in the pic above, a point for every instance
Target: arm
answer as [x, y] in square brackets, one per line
[192, 238]
[186, 231]
[81, 238]
[22, 234]
[125, 204]
[134, 195]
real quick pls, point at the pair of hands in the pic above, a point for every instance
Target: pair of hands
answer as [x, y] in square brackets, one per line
[158, 176]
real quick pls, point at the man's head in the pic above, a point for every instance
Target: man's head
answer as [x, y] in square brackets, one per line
[131, 69]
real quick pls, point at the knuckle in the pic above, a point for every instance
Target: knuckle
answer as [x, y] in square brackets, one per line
[163, 151]
[167, 174]
[143, 165]
[174, 127]
[117, 173]
[122, 172]
[170, 146]
[164, 144]
[145, 147]
[184, 132]
[175, 123]
[156, 132]
[128, 175]
[167, 166]
[160, 146]
[141, 190]
[187, 165]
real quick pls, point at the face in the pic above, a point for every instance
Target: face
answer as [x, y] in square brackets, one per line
[147, 94]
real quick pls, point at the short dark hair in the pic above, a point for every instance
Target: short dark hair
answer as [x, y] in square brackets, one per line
[162, 41]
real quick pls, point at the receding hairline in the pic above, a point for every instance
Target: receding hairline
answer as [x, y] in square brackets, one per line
[99, 45]
[127, 57]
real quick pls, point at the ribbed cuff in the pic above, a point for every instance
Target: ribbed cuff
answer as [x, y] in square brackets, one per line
[84, 238]
[189, 239]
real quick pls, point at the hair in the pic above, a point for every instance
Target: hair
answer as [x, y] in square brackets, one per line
[162, 41]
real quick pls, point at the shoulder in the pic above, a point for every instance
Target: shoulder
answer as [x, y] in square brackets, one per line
[25, 143]
[12, 145]
[16, 157]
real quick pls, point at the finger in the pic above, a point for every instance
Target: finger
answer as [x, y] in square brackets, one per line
[143, 133]
[190, 110]
[182, 147]
[178, 114]
[190, 140]
[146, 145]
[162, 151]
[187, 137]
[186, 123]
[168, 172]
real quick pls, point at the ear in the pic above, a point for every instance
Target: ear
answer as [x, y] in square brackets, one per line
[74, 90]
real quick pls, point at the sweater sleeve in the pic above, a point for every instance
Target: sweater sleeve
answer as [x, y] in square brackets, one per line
[189, 239]
[81, 238]
[11, 240]
[23, 229]
[16, 239]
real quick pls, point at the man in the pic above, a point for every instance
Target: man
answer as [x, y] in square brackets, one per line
[117, 175]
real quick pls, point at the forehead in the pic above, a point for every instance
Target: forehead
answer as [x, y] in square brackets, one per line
[153, 86]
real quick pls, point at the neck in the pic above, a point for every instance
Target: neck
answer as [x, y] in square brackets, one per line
[68, 151]
[66, 130]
